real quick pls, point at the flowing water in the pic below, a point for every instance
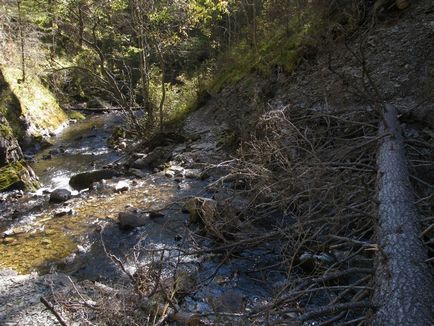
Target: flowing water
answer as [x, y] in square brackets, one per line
[80, 147]
[80, 244]
[41, 239]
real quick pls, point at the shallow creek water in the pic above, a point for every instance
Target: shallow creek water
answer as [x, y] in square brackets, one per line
[80, 147]
[78, 244]
[39, 241]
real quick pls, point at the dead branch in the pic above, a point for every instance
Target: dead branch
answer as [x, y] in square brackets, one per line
[50, 307]
[327, 310]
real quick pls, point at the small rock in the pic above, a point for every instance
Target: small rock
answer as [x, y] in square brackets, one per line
[155, 215]
[122, 186]
[137, 173]
[122, 145]
[47, 157]
[8, 240]
[157, 157]
[128, 220]
[63, 212]
[46, 242]
[53, 152]
[229, 301]
[140, 163]
[194, 174]
[169, 173]
[60, 196]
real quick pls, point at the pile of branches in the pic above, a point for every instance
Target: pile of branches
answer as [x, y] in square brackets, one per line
[308, 179]
[317, 171]
[155, 280]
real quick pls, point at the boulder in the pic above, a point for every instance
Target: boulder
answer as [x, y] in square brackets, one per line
[201, 209]
[17, 176]
[14, 171]
[137, 173]
[162, 139]
[129, 220]
[84, 180]
[60, 196]
[154, 159]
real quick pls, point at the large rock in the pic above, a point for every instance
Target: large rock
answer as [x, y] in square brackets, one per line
[84, 180]
[15, 174]
[60, 196]
[201, 209]
[129, 220]
[162, 139]
[154, 159]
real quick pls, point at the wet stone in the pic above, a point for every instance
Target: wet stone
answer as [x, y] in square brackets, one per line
[63, 212]
[122, 186]
[60, 196]
[129, 220]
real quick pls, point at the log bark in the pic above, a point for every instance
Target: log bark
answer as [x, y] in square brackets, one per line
[404, 289]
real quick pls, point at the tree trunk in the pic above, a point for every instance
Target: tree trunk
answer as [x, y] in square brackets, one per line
[80, 25]
[23, 57]
[404, 291]
[163, 87]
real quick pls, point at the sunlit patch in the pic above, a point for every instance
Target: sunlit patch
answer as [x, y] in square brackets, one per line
[40, 240]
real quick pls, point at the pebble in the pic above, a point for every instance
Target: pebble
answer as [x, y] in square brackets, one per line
[45, 242]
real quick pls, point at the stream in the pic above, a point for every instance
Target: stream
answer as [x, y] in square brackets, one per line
[80, 147]
[79, 237]
[66, 236]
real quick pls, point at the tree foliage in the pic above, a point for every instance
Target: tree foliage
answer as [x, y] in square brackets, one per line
[131, 53]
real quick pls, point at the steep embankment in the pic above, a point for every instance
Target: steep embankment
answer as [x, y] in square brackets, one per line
[14, 173]
[28, 114]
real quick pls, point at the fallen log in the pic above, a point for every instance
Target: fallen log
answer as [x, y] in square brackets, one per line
[404, 283]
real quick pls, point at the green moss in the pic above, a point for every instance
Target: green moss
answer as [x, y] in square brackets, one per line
[16, 176]
[280, 46]
[11, 110]
[77, 115]
[5, 129]
[31, 99]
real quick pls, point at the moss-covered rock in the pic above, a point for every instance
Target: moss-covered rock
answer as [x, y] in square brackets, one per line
[17, 176]
[76, 115]
[14, 172]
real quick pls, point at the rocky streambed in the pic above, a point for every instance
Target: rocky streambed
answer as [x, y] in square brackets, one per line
[121, 214]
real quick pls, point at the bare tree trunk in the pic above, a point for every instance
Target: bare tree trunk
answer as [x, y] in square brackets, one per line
[138, 18]
[51, 18]
[23, 57]
[163, 86]
[404, 282]
[163, 98]
[80, 25]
